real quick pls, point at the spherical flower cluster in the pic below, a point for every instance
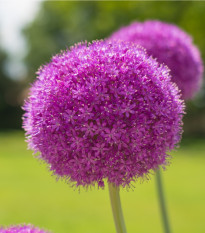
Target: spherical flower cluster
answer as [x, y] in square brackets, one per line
[22, 229]
[103, 111]
[171, 46]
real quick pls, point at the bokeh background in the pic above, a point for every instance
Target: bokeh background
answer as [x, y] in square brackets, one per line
[28, 192]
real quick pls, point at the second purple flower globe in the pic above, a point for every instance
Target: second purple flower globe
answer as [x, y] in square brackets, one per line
[171, 46]
[103, 111]
[22, 229]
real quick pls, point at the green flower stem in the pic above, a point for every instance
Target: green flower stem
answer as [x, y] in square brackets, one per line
[162, 202]
[116, 208]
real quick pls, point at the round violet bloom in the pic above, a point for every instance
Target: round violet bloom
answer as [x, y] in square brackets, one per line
[103, 111]
[22, 229]
[171, 46]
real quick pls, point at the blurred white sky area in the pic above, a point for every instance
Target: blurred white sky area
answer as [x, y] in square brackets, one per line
[14, 15]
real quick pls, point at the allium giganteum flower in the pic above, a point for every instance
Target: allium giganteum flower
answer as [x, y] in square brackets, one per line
[103, 111]
[171, 46]
[21, 229]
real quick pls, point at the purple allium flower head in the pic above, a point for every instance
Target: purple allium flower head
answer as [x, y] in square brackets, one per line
[103, 111]
[22, 229]
[171, 46]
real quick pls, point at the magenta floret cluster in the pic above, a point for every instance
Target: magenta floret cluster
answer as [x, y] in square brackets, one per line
[22, 229]
[103, 111]
[171, 46]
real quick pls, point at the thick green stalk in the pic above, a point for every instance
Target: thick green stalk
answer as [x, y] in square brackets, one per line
[162, 202]
[116, 208]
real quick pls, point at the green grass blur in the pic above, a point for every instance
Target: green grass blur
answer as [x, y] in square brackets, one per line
[29, 194]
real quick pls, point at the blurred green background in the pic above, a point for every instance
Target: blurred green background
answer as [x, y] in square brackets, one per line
[28, 192]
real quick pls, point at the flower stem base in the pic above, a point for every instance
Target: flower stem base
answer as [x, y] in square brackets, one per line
[116, 208]
[162, 202]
